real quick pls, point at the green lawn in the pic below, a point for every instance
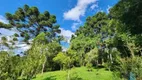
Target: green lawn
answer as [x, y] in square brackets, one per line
[82, 73]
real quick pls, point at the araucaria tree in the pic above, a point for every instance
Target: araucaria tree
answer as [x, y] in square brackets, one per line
[30, 22]
[42, 28]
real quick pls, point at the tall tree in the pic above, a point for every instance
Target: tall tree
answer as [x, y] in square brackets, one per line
[10, 66]
[30, 22]
[93, 34]
[42, 53]
[129, 12]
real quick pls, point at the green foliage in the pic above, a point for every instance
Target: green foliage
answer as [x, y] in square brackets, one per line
[6, 44]
[16, 35]
[129, 13]
[133, 65]
[30, 22]
[62, 59]
[116, 76]
[34, 60]
[3, 60]
[27, 37]
[73, 58]
[41, 39]
[15, 39]
[54, 47]
[3, 25]
[10, 67]
[98, 32]
[91, 58]
[113, 41]
[4, 39]
[73, 75]
[89, 66]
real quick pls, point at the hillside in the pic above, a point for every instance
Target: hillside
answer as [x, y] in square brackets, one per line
[81, 73]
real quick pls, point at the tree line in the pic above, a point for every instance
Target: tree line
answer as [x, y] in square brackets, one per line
[112, 41]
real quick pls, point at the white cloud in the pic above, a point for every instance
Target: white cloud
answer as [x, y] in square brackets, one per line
[75, 25]
[7, 32]
[3, 19]
[94, 6]
[108, 8]
[19, 45]
[67, 34]
[78, 11]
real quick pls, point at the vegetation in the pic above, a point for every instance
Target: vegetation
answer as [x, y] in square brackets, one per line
[109, 46]
[78, 73]
[30, 22]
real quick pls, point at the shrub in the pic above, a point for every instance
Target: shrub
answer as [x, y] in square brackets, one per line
[131, 65]
[89, 66]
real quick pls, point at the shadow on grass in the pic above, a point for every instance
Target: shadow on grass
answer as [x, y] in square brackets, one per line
[79, 79]
[76, 78]
[50, 78]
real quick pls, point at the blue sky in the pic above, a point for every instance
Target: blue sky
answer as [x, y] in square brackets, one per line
[70, 14]
[58, 7]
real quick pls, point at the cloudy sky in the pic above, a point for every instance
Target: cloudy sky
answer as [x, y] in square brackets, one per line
[70, 13]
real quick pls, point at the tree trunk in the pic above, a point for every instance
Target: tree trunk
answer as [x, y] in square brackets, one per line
[61, 67]
[68, 78]
[43, 66]
[140, 52]
[111, 58]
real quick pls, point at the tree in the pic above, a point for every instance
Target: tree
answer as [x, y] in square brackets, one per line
[34, 61]
[91, 58]
[3, 25]
[65, 60]
[131, 65]
[53, 48]
[129, 13]
[43, 52]
[3, 42]
[14, 67]
[10, 66]
[97, 29]
[62, 59]
[3, 65]
[30, 22]
[72, 54]
[43, 28]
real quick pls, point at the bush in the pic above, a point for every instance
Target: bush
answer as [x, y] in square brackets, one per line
[133, 65]
[73, 75]
[89, 66]
[116, 76]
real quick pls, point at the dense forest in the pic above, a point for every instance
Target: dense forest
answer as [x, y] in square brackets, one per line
[110, 41]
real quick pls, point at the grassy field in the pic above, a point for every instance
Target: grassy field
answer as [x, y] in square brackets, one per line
[81, 73]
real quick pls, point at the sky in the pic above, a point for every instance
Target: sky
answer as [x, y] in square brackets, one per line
[70, 14]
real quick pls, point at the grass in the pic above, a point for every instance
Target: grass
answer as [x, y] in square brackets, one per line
[81, 73]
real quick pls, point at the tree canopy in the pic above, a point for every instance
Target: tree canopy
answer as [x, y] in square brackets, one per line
[30, 22]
